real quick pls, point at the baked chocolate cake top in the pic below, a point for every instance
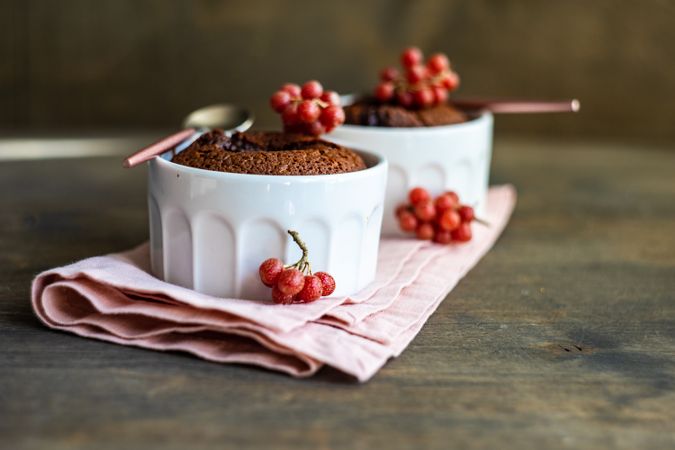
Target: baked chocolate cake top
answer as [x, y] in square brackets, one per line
[371, 113]
[269, 153]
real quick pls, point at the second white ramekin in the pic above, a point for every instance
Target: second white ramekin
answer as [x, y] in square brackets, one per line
[209, 230]
[450, 157]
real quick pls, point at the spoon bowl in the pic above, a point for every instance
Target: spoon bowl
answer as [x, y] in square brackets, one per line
[230, 118]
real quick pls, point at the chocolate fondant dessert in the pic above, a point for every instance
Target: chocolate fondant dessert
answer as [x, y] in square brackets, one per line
[269, 153]
[375, 114]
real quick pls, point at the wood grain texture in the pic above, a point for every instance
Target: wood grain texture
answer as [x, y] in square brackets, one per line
[147, 63]
[563, 336]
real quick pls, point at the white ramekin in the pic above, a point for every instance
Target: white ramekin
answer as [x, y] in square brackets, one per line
[450, 157]
[209, 231]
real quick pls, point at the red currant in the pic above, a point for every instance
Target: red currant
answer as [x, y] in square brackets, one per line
[270, 270]
[444, 202]
[332, 117]
[407, 221]
[384, 91]
[280, 298]
[454, 196]
[449, 220]
[440, 94]
[311, 290]
[327, 281]
[425, 211]
[418, 195]
[442, 237]
[451, 81]
[311, 89]
[416, 74]
[466, 213]
[438, 63]
[401, 208]
[290, 281]
[425, 231]
[279, 100]
[411, 57]
[462, 233]
[331, 97]
[289, 116]
[292, 88]
[313, 128]
[308, 111]
[388, 74]
[424, 97]
[405, 99]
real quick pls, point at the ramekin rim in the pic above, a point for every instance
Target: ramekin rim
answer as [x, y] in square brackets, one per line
[381, 163]
[482, 119]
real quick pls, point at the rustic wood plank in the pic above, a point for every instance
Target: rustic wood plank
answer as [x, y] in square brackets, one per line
[562, 337]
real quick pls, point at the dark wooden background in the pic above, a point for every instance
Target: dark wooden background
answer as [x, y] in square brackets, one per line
[81, 64]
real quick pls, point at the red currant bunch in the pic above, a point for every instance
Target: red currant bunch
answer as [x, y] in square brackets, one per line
[443, 219]
[421, 84]
[295, 283]
[308, 109]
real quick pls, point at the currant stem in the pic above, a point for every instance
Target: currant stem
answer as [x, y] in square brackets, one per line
[303, 263]
[320, 103]
[482, 222]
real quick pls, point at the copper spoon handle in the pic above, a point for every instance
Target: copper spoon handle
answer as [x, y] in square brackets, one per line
[158, 148]
[517, 106]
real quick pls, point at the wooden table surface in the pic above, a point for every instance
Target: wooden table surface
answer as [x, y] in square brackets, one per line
[563, 336]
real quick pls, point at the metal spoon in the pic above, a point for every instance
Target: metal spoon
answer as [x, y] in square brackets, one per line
[230, 118]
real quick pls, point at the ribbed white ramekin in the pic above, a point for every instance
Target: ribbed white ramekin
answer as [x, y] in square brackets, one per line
[450, 157]
[209, 230]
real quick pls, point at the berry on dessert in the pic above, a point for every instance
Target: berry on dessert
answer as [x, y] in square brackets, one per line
[311, 89]
[295, 283]
[331, 97]
[308, 109]
[411, 57]
[428, 83]
[415, 96]
[442, 219]
[388, 74]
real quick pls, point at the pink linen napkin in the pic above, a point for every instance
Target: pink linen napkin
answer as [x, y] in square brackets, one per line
[115, 298]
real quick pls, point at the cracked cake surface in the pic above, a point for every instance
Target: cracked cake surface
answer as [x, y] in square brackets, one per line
[269, 153]
[369, 112]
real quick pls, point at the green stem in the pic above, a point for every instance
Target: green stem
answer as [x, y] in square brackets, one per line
[482, 222]
[303, 263]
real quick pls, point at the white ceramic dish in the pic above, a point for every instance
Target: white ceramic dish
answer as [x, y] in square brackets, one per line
[451, 157]
[209, 230]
